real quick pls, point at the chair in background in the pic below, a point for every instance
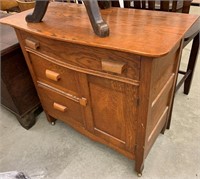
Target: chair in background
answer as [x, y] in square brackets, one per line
[181, 6]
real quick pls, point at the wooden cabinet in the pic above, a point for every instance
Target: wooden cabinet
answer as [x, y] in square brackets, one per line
[116, 90]
[90, 90]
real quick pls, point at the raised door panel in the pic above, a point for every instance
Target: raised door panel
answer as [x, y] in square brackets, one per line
[114, 111]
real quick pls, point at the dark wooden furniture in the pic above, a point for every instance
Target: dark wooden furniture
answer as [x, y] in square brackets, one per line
[116, 90]
[195, 3]
[193, 35]
[18, 93]
[168, 5]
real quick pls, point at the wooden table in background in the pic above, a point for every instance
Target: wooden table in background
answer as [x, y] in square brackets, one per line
[18, 93]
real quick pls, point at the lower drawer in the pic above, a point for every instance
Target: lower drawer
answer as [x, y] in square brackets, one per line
[59, 106]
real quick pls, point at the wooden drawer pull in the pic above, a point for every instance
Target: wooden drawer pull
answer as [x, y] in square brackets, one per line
[83, 101]
[52, 75]
[59, 107]
[32, 44]
[113, 66]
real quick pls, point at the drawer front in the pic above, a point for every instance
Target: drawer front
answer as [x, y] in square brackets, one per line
[59, 106]
[55, 75]
[118, 64]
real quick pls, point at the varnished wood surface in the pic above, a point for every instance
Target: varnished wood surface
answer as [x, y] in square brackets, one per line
[148, 33]
[125, 107]
[84, 57]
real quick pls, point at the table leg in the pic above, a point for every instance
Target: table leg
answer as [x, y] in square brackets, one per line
[192, 63]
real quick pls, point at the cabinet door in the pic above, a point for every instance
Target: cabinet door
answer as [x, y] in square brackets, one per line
[114, 111]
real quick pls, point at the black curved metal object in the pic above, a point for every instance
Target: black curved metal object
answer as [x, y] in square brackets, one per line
[39, 11]
[99, 26]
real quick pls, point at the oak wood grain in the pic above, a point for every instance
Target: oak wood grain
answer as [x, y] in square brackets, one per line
[147, 28]
[125, 110]
[89, 59]
[71, 109]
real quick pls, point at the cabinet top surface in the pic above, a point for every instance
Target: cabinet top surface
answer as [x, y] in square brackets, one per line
[142, 32]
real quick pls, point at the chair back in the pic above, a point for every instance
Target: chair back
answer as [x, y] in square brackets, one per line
[182, 6]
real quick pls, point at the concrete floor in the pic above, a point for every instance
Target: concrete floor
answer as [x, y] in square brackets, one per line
[59, 152]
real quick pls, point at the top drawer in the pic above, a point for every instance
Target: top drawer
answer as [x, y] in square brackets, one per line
[93, 59]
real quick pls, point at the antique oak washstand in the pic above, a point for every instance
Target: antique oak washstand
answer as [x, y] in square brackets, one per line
[116, 90]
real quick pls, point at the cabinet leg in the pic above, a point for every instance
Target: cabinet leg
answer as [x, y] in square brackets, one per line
[50, 119]
[38, 12]
[139, 166]
[163, 129]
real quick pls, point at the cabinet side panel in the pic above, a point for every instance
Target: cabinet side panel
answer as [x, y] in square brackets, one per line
[163, 82]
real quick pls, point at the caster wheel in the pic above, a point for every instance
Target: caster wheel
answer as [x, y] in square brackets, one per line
[139, 174]
[53, 123]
